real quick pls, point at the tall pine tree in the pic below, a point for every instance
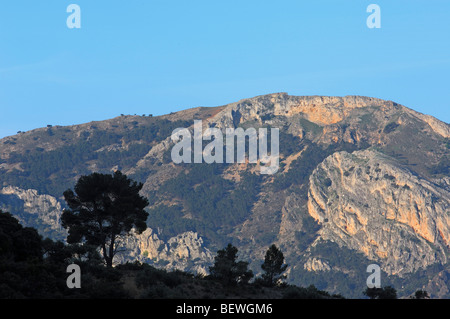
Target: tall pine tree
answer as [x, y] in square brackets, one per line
[273, 267]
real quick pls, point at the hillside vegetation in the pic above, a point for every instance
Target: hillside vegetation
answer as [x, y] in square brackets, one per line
[361, 181]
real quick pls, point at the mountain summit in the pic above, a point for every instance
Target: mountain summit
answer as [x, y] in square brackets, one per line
[361, 181]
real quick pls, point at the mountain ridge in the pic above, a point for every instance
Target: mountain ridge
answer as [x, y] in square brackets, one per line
[318, 134]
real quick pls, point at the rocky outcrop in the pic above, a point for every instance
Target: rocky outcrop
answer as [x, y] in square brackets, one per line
[47, 208]
[316, 264]
[364, 201]
[186, 251]
[437, 126]
[322, 110]
[395, 210]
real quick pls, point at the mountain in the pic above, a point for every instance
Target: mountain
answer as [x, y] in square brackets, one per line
[360, 181]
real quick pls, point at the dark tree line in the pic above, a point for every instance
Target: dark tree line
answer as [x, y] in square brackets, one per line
[104, 208]
[231, 272]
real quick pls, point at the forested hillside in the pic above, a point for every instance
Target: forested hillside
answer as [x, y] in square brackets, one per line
[360, 181]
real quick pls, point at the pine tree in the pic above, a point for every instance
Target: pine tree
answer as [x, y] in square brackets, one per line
[273, 267]
[228, 270]
[104, 208]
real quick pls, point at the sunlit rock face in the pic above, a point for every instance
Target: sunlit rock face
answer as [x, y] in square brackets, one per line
[366, 202]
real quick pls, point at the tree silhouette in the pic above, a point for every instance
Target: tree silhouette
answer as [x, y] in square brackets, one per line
[387, 292]
[18, 243]
[229, 271]
[421, 294]
[104, 208]
[273, 266]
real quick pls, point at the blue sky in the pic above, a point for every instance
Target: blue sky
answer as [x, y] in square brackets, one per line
[147, 56]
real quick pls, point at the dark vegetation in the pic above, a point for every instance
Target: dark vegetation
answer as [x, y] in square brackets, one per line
[441, 168]
[353, 273]
[386, 292]
[313, 155]
[52, 172]
[307, 234]
[289, 144]
[415, 149]
[228, 270]
[346, 282]
[273, 267]
[211, 206]
[390, 127]
[33, 267]
[214, 202]
[103, 209]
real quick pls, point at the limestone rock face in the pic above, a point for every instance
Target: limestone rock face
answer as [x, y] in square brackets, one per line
[318, 109]
[386, 196]
[47, 208]
[364, 201]
[185, 251]
[316, 264]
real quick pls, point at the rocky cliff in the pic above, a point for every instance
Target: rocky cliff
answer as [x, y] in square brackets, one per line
[31, 208]
[184, 251]
[366, 202]
[369, 175]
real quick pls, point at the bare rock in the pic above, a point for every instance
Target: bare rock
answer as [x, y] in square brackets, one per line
[366, 202]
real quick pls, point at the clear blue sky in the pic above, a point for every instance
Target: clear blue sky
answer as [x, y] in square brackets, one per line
[147, 56]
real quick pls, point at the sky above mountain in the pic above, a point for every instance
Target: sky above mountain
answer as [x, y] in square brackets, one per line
[142, 57]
